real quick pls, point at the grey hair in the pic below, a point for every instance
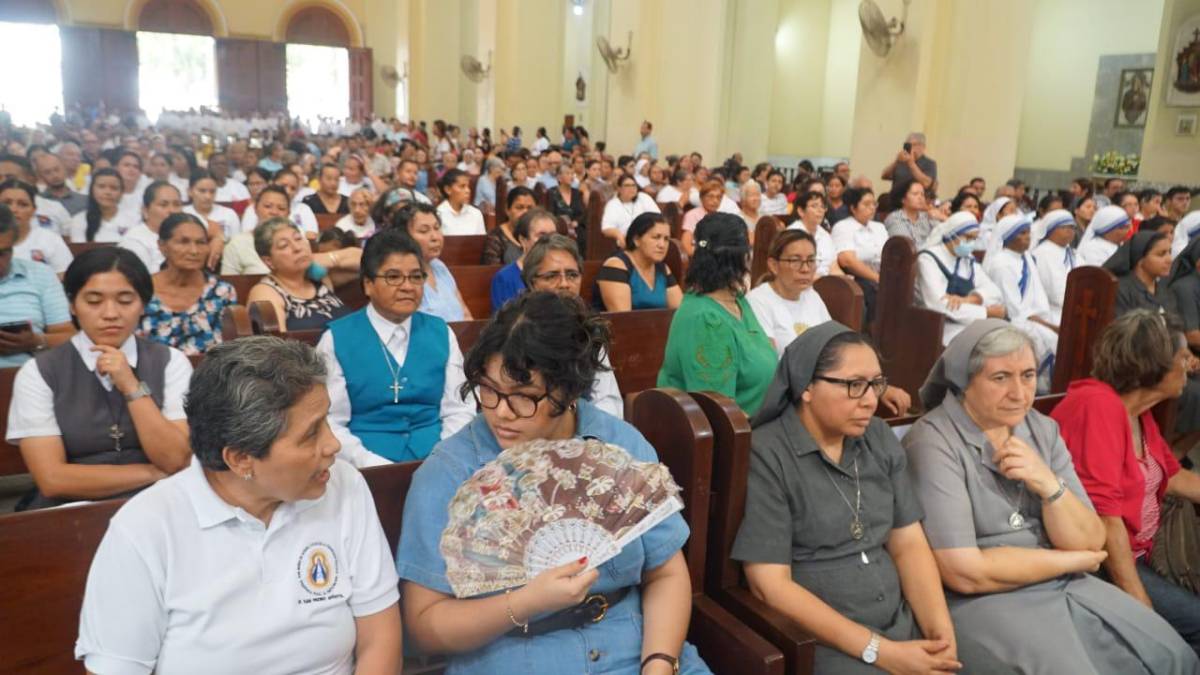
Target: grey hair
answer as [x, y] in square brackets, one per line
[916, 137]
[1000, 342]
[492, 163]
[264, 234]
[241, 392]
[553, 242]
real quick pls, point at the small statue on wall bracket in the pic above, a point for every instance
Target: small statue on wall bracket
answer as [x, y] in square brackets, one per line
[580, 88]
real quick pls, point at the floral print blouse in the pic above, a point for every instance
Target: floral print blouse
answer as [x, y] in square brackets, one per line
[195, 329]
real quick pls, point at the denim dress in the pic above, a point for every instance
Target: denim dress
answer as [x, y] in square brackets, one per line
[612, 645]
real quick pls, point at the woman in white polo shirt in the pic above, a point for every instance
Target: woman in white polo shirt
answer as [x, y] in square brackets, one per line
[39, 244]
[457, 214]
[265, 555]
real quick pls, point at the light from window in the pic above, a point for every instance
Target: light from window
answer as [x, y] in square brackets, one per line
[318, 83]
[32, 81]
[175, 72]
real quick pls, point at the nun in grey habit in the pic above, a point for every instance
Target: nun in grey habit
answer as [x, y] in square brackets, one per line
[1040, 620]
[831, 522]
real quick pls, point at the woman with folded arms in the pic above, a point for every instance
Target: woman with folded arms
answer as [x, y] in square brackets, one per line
[264, 555]
[1011, 526]
[529, 372]
[101, 415]
[832, 534]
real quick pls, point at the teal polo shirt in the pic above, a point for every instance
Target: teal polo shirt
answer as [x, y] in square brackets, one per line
[31, 292]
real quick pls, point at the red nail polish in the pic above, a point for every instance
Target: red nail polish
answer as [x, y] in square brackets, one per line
[583, 560]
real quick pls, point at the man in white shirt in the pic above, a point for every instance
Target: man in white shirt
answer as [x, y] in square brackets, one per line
[647, 145]
[400, 412]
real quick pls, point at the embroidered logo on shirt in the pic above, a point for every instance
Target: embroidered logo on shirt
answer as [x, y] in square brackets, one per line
[44, 221]
[317, 569]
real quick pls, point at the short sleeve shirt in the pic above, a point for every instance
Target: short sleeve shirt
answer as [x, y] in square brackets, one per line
[902, 176]
[865, 241]
[184, 582]
[31, 292]
[45, 246]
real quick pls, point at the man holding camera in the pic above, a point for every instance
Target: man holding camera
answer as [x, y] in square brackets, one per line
[910, 164]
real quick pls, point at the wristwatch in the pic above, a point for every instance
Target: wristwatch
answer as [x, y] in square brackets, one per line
[871, 653]
[143, 389]
[1062, 489]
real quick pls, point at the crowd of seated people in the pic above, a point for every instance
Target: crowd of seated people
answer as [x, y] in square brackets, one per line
[990, 531]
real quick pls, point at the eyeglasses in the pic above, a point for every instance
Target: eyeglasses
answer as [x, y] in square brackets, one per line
[858, 388]
[798, 263]
[398, 278]
[552, 277]
[521, 405]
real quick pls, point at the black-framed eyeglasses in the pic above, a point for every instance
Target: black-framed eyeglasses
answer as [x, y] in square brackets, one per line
[857, 388]
[552, 277]
[398, 278]
[521, 405]
[798, 263]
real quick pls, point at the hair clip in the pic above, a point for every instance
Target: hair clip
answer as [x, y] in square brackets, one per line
[703, 243]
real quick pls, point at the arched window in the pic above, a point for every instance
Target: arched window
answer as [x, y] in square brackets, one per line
[317, 25]
[175, 16]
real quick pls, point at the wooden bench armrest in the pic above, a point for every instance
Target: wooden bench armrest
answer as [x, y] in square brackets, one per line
[728, 645]
[789, 638]
[235, 322]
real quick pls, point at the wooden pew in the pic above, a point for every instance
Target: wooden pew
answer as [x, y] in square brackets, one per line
[677, 428]
[674, 216]
[765, 231]
[236, 323]
[639, 340]
[10, 456]
[909, 338]
[501, 200]
[676, 260]
[462, 249]
[724, 580]
[80, 247]
[843, 298]
[475, 284]
[1088, 306]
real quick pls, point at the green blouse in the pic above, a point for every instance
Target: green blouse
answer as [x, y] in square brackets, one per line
[710, 349]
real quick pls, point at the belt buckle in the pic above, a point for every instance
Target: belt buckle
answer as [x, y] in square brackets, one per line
[600, 602]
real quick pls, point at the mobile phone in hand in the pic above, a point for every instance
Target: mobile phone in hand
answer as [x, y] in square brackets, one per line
[16, 327]
[908, 147]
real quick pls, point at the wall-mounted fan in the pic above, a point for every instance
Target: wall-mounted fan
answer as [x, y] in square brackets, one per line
[474, 70]
[391, 76]
[880, 33]
[613, 58]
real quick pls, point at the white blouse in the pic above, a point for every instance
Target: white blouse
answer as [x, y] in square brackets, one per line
[618, 215]
[784, 320]
[109, 231]
[865, 241]
[46, 246]
[1095, 251]
[826, 251]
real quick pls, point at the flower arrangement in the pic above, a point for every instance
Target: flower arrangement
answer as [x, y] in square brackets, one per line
[1114, 163]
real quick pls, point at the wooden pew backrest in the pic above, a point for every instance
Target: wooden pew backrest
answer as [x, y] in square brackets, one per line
[765, 231]
[80, 247]
[1088, 306]
[598, 246]
[242, 283]
[10, 455]
[639, 339]
[327, 221]
[843, 298]
[462, 249]
[909, 338]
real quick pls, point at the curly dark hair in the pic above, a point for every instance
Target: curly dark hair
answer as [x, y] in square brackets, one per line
[546, 332]
[1137, 350]
[722, 255]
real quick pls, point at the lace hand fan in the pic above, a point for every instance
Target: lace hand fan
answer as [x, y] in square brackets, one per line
[543, 504]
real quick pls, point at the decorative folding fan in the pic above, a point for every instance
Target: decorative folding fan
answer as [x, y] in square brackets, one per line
[543, 504]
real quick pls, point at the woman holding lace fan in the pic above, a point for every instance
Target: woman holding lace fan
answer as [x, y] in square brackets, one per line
[529, 372]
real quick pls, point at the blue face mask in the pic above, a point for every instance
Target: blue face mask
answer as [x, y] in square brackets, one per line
[964, 249]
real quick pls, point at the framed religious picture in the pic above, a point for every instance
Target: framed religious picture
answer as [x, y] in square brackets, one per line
[1185, 125]
[1133, 98]
[1183, 89]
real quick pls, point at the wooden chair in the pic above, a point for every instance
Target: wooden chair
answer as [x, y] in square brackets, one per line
[674, 216]
[1088, 306]
[909, 338]
[79, 247]
[327, 221]
[236, 323]
[598, 246]
[464, 249]
[677, 428]
[725, 583]
[11, 462]
[501, 200]
[843, 298]
[765, 231]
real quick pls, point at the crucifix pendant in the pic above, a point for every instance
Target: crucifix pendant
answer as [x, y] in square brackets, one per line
[856, 529]
[115, 433]
[396, 387]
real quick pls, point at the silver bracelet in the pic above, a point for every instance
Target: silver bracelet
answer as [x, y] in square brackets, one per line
[1062, 490]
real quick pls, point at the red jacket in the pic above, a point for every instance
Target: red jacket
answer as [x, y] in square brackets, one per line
[1095, 426]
